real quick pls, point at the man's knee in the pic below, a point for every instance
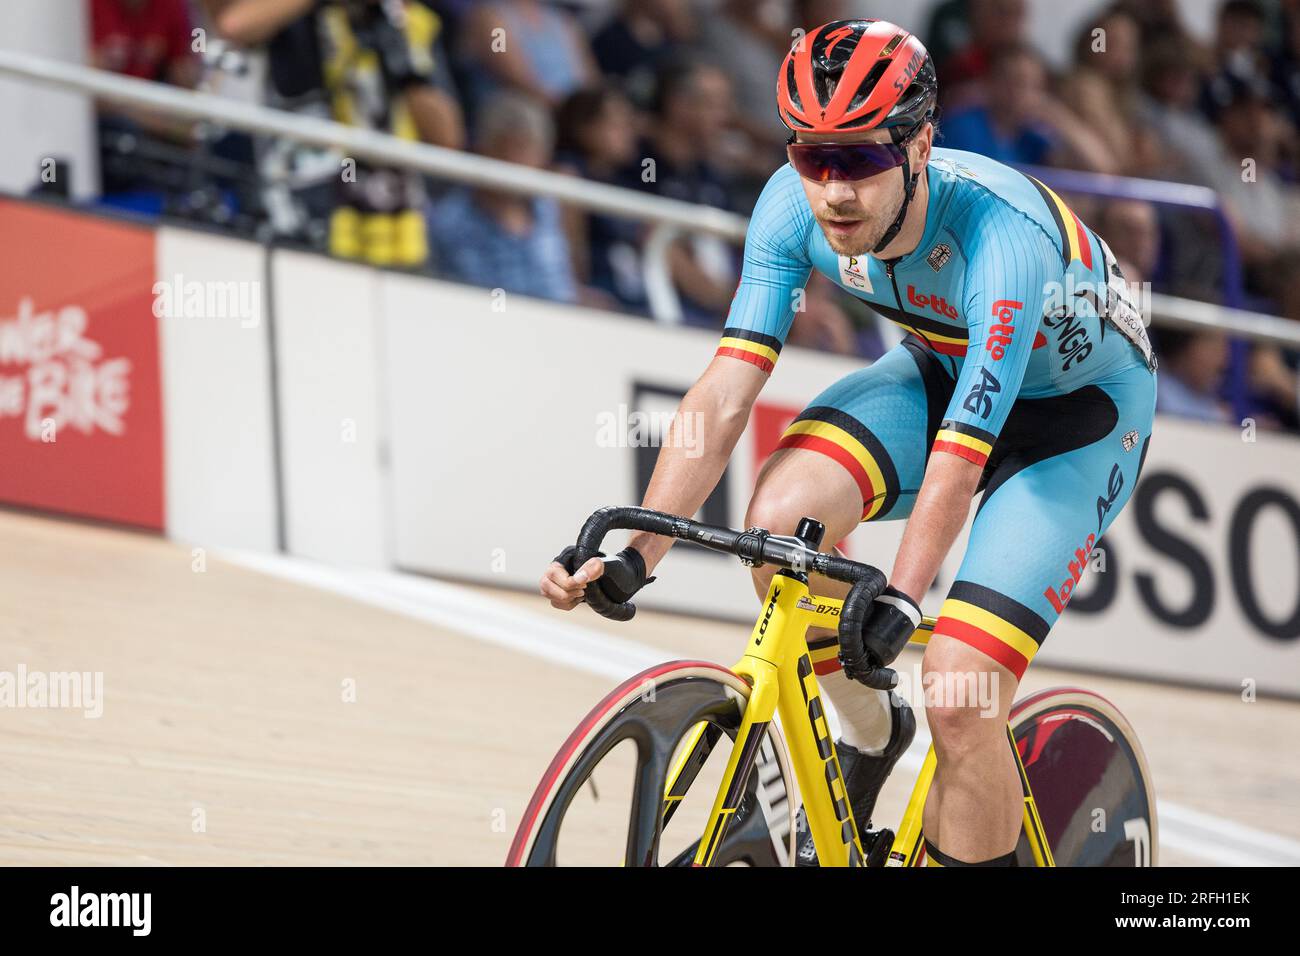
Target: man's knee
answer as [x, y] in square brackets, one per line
[770, 508]
[965, 696]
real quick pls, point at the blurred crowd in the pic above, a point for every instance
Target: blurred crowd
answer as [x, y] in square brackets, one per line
[675, 98]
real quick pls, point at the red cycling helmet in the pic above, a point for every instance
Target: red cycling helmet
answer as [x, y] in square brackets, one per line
[850, 76]
[856, 75]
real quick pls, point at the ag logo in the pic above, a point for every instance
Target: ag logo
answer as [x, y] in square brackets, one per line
[978, 400]
[1114, 485]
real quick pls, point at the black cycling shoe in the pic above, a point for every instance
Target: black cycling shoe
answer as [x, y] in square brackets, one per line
[864, 775]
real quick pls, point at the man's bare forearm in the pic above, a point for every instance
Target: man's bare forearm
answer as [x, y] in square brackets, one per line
[691, 461]
[937, 518]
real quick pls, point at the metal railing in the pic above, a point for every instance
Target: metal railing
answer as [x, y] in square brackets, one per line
[668, 218]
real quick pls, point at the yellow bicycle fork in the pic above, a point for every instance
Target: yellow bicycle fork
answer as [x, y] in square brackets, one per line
[779, 669]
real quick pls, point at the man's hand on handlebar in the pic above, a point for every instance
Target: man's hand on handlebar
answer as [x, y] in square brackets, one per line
[888, 625]
[619, 578]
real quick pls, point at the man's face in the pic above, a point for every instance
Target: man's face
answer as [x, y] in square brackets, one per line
[709, 109]
[855, 215]
[1017, 90]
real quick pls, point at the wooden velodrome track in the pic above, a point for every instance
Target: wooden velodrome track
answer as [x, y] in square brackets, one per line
[226, 738]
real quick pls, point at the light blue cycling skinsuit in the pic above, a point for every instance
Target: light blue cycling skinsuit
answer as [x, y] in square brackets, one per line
[1024, 355]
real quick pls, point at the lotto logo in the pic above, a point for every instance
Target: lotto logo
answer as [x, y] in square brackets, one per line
[1001, 333]
[937, 303]
[1059, 597]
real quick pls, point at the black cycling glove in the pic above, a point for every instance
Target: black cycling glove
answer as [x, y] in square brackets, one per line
[624, 573]
[890, 623]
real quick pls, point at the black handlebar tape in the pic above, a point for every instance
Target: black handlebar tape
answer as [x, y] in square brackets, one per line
[853, 653]
[592, 536]
[868, 582]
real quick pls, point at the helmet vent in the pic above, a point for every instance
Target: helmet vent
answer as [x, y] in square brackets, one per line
[868, 85]
[792, 87]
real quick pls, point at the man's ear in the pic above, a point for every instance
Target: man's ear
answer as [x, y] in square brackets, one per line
[922, 145]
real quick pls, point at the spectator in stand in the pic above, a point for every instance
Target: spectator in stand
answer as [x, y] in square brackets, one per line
[1274, 372]
[995, 25]
[527, 46]
[640, 37]
[378, 66]
[1264, 208]
[1172, 68]
[1102, 90]
[1192, 365]
[1132, 230]
[598, 141]
[1286, 68]
[501, 239]
[948, 31]
[149, 40]
[1017, 120]
[747, 41]
[1240, 52]
[693, 106]
[1158, 20]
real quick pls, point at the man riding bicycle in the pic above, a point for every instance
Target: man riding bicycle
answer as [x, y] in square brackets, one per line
[1026, 374]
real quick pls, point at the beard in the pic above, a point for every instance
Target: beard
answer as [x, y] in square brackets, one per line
[866, 236]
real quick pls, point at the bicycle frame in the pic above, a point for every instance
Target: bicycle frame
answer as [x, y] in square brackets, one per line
[781, 670]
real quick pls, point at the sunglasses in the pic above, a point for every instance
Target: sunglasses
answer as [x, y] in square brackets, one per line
[823, 162]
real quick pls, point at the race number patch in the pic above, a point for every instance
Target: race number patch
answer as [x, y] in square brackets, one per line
[1120, 312]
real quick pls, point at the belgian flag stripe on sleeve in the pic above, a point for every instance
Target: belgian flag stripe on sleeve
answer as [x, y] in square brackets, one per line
[964, 441]
[756, 348]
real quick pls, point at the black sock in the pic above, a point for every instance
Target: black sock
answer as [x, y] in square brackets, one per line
[936, 857]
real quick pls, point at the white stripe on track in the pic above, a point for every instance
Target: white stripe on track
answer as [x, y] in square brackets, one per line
[1207, 837]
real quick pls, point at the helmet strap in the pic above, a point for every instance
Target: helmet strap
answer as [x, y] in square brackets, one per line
[902, 138]
[909, 189]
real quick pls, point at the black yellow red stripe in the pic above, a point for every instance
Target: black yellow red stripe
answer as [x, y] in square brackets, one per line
[964, 441]
[938, 336]
[845, 439]
[1075, 243]
[756, 348]
[993, 623]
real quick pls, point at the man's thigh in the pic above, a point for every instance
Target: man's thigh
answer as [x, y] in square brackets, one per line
[876, 425]
[1047, 503]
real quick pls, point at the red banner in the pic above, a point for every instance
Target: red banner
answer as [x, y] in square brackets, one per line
[80, 388]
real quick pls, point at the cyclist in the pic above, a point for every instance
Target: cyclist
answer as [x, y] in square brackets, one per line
[1026, 373]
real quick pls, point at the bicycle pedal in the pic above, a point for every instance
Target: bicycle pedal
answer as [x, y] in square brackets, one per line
[876, 843]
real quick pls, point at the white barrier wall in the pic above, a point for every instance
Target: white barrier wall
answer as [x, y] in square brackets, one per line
[330, 421]
[453, 431]
[219, 449]
[498, 447]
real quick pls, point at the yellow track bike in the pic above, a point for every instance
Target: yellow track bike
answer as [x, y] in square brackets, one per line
[1088, 799]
